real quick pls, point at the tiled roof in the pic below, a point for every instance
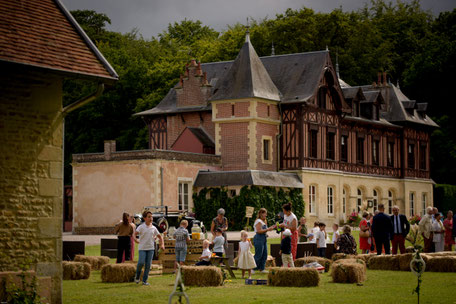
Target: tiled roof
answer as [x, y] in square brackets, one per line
[43, 34]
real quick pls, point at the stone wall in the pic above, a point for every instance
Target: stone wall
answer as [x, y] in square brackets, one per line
[31, 174]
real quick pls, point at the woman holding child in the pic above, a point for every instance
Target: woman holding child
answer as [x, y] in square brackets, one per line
[260, 239]
[290, 221]
[220, 222]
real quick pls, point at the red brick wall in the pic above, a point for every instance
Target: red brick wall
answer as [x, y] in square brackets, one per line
[224, 110]
[192, 91]
[176, 125]
[234, 146]
[262, 110]
[267, 130]
[187, 142]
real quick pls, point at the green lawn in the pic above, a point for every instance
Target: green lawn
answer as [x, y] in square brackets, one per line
[381, 286]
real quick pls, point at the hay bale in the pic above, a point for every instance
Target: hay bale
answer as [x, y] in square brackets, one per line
[384, 262]
[293, 277]
[348, 271]
[406, 258]
[310, 259]
[202, 276]
[442, 253]
[339, 256]
[270, 262]
[410, 249]
[365, 257]
[441, 264]
[75, 270]
[118, 273]
[96, 262]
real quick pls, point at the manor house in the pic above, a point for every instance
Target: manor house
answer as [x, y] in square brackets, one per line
[289, 120]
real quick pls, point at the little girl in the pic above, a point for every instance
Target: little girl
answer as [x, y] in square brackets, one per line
[245, 257]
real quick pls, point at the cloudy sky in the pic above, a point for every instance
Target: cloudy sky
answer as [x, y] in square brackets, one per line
[153, 16]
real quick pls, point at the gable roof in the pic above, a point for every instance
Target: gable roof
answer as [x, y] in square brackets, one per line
[246, 78]
[296, 76]
[43, 34]
[202, 136]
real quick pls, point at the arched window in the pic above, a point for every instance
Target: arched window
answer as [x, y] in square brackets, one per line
[359, 199]
[375, 199]
[390, 202]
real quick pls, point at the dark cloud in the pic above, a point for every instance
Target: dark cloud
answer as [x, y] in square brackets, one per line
[151, 17]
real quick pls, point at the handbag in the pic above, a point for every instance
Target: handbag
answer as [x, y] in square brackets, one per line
[364, 233]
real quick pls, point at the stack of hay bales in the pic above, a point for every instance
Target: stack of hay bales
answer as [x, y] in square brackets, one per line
[310, 259]
[339, 256]
[118, 273]
[384, 262]
[96, 262]
[75, 270]
[293, 277]
[365, 257]
[202, 276]
[441, 263]
[348, 271]
[270, 262]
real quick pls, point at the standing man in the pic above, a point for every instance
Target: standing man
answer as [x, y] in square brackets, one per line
[426, 229]
[382, 229]
[401, 228]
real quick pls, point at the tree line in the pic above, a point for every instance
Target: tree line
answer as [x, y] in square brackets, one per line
[415, 48]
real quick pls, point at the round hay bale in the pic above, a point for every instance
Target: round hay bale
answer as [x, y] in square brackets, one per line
[339, 256]
[96, 262]
[441, 264]
[75, 270]
[348, 271]
[270, 262]
[202, 276]
[118, 273]
[384, 262]
[293, 277]
[310, 259]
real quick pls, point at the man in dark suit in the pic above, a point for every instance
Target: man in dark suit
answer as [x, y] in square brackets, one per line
[382, 229]
[401, 228]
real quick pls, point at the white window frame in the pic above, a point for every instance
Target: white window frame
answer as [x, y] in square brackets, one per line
[423, 202]
[344, 201]
[375, 199]
[312, 199]
[390, 202]
[330, 200]
[359, 199]
[412, 203]
[270, 152]
[181, 182]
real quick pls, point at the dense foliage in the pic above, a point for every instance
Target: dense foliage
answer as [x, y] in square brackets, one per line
[445, 198]
[415, 48]
[209, 200]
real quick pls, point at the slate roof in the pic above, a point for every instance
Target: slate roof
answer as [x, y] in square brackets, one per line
[296, 76]
[43, 34]
[202, 136]
[246, 78]
[352, 92]
[246, 178]
[372, 96]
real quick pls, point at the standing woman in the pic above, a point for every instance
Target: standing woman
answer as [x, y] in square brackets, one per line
[220, 221]
[147, 233]
[364, 228]
[124, 232]
[131, 220]
[448, 224]
[437, 228]
[260, 239]
[290, 221]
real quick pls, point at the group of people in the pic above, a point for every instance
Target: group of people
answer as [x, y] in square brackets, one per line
[438, 235]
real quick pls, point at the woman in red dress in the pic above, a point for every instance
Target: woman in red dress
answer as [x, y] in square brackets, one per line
[364, 240]
[448, 224]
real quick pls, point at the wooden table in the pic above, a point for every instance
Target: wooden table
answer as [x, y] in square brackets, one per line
[216, 261]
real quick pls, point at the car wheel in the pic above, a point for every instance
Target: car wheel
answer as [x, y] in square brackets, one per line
[162, 224]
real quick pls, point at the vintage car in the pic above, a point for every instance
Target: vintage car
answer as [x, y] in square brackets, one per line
[164, 219]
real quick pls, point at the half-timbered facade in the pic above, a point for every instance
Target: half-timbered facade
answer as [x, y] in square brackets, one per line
[353, 147]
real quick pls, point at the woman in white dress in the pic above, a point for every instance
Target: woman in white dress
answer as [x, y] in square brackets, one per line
[245, 257]
[437, 228]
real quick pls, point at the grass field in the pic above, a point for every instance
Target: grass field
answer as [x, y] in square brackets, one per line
[380, 287]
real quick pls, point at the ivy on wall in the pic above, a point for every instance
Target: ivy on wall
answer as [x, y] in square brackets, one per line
[209, 200]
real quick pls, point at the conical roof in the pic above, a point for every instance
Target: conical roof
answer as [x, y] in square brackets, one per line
[246, 78]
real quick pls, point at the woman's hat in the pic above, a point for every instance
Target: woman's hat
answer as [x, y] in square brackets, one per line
[287, 232]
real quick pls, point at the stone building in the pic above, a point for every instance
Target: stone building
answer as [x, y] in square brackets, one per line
[352, 147]
[40, 45]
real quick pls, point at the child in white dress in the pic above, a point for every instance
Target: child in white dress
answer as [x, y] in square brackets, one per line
[245, 257]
